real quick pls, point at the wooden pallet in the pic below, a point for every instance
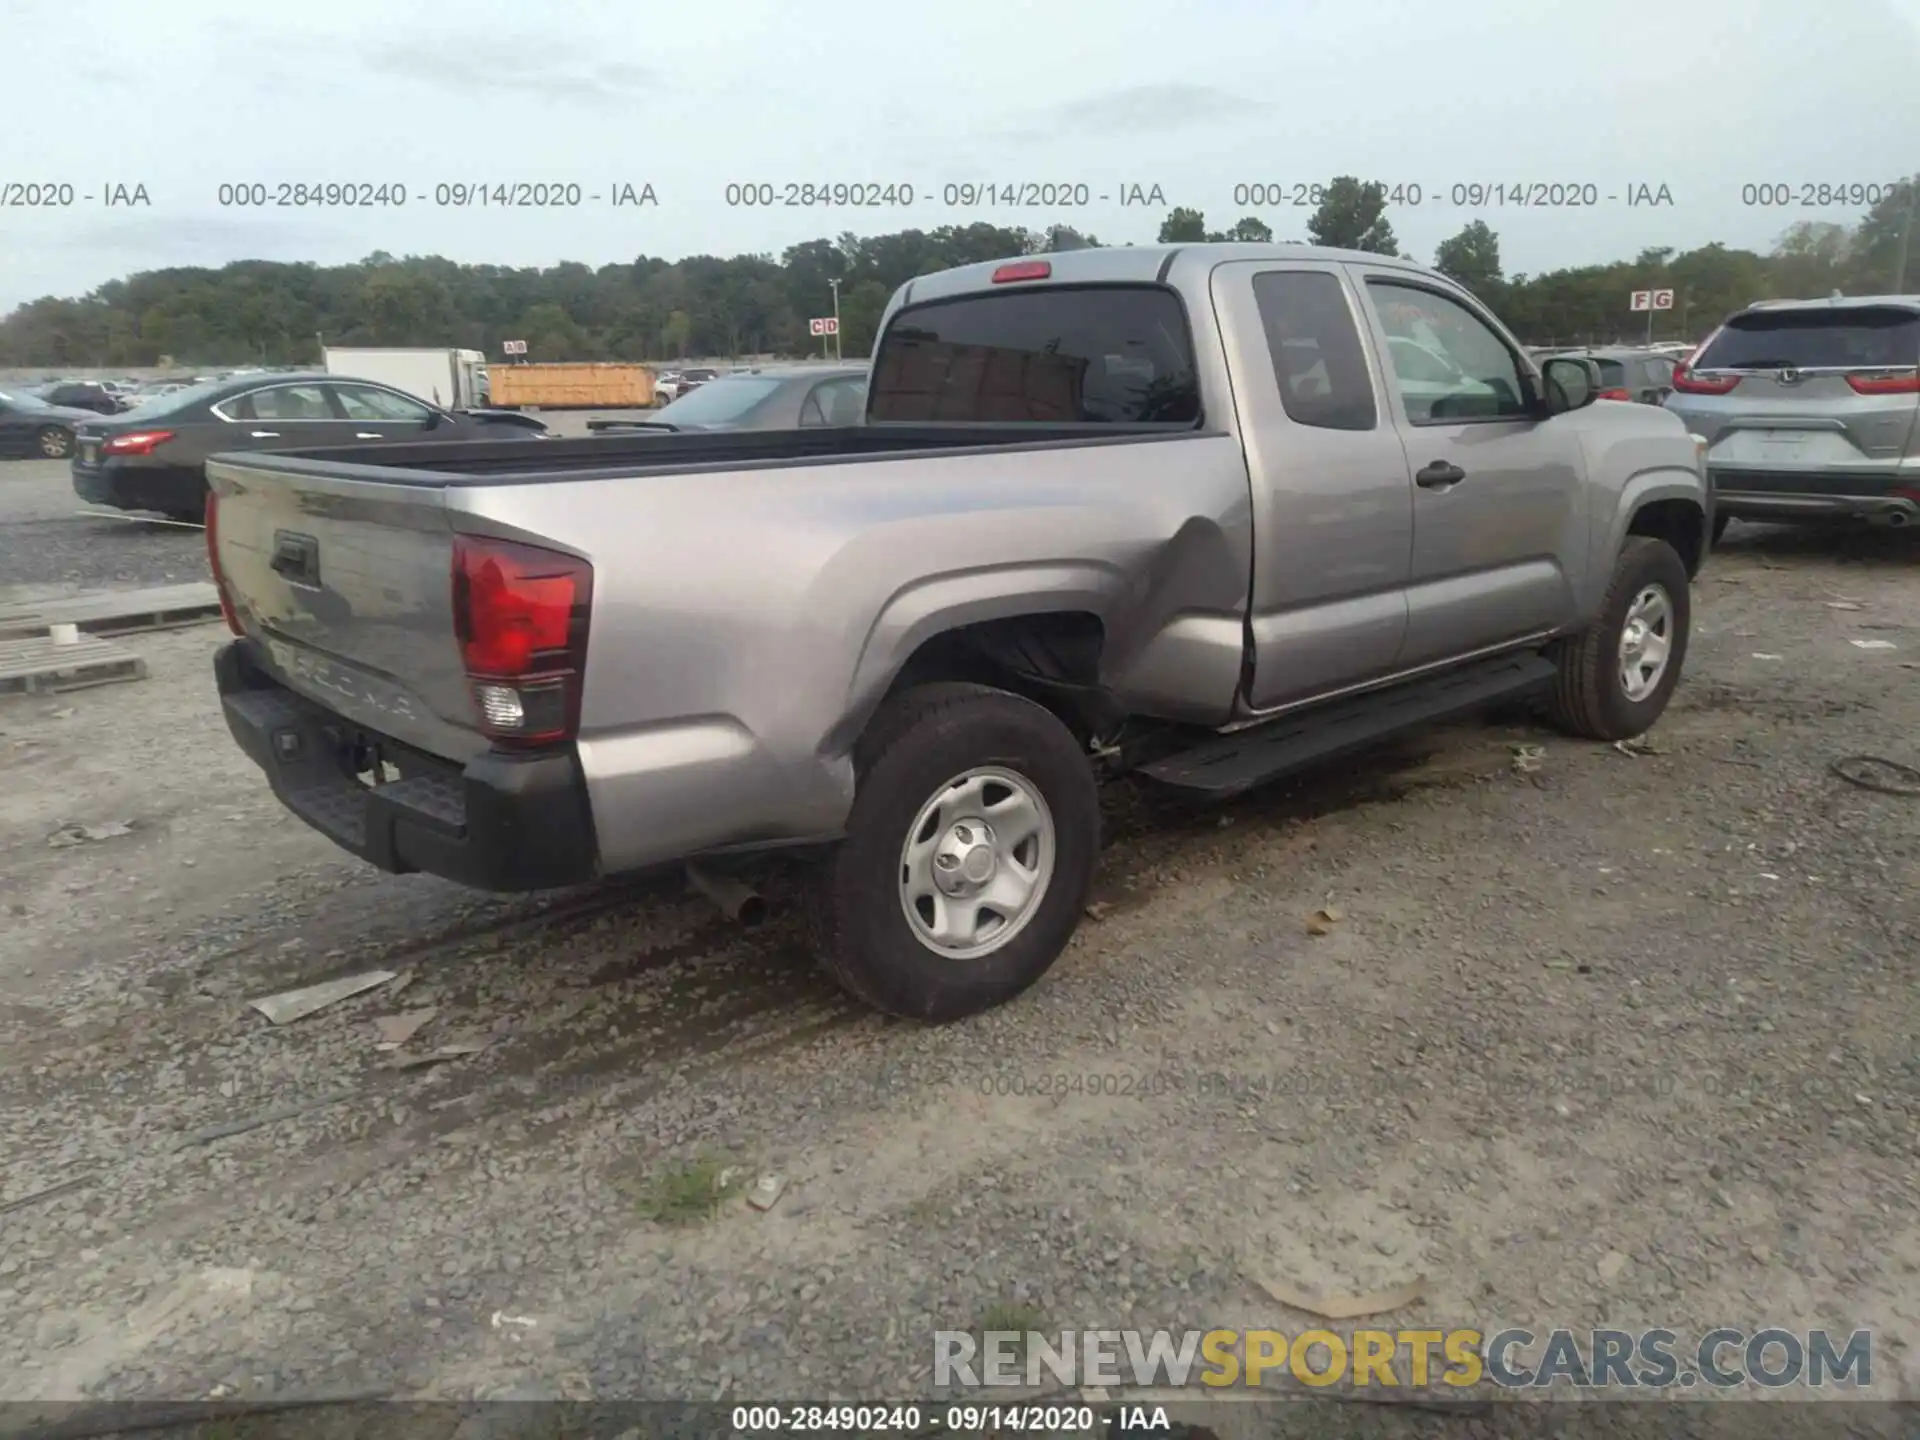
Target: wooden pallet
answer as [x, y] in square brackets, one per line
[120, 612]
[37, 666]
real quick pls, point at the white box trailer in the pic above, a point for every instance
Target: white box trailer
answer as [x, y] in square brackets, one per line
[450, 379]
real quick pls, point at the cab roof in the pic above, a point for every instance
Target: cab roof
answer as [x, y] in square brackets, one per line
[1135, 264]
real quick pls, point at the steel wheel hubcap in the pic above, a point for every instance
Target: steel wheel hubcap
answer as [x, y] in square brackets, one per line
[52, 445]
[977, 862]
[1646, 642]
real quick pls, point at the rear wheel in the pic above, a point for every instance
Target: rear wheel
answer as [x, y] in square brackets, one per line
[969, 851]
[55, 442]
[194, 513]
[1617, 675]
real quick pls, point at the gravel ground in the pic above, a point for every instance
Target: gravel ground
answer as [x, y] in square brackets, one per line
[46, 546]
[1600, 1038]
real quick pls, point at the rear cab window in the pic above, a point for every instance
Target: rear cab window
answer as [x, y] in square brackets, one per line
[1068, 354]
[1313, 339]
[1852, 337]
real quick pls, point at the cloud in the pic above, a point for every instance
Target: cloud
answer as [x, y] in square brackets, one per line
[524, 65]
[1137, 108]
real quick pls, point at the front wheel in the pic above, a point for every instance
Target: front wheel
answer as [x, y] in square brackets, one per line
[1616, 676]
[969, 853]
[54, 442]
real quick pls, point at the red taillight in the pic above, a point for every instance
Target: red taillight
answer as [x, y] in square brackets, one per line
[1886, 384]
[137, 442]
[1023, 270]
[521, 614]
[213, 563]
[1688, 383]
[1614, 394]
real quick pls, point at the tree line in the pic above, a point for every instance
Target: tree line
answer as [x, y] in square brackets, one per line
[273, 313]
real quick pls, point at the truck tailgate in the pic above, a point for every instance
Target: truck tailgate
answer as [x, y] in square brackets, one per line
[345, 587]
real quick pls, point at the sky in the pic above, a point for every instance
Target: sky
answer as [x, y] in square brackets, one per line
[424, 97]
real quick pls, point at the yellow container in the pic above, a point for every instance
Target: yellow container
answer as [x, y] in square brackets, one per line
[570, 387]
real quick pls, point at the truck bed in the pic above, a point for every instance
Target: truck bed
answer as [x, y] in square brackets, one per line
[447, 463]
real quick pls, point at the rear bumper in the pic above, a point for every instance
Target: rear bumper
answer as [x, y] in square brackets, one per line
[1886, 496]
[502, 822]
[179, 491]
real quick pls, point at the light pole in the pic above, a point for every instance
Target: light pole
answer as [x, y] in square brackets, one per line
[1906, 234]
[836, 318]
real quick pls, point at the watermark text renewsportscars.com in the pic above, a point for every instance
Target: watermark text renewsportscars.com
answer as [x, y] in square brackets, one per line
[1720, 1359]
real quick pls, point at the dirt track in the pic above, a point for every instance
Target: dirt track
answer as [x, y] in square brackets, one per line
[1658, 1006]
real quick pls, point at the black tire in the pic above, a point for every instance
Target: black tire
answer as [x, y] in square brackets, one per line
[195, 514]
[1589, 698]
[53, 442]
[917, 743]
[1720, 523]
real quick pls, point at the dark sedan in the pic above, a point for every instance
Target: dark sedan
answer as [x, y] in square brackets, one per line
[795, 399]
[30, 426]
[82, 395]
[153, 456]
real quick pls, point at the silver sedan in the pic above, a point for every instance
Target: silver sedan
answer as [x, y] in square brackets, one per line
[802, 397]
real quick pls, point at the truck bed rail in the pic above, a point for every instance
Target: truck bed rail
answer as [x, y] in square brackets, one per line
[616, 454]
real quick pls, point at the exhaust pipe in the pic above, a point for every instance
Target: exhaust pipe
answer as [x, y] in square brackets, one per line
[733, 898]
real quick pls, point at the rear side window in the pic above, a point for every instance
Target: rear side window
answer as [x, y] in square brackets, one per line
[1100, 354]
[1861, 337]
[1318, 362]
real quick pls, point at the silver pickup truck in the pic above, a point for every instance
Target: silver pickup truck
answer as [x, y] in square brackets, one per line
[1174, 510]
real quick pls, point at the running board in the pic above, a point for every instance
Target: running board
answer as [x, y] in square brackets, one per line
[1227, 765]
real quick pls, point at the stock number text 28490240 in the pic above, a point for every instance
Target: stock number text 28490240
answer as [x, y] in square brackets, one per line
[818, 194]
[1816, 194]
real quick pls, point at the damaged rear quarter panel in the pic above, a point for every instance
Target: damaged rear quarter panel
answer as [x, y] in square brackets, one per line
[746, 621]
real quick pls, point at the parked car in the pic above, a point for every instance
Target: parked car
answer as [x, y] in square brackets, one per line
[1126, 510]
[89, 395]
[794, 399]
[30, 427]
[1641, 374]
[152, 457]
[672, 384]
[1810, 410]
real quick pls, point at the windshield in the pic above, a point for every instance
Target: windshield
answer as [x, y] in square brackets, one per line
[23, 400]
[1855, 337]
[720, 401]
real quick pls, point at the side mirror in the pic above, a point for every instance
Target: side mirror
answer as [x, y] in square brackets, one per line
[1571, 383]
[433, 420]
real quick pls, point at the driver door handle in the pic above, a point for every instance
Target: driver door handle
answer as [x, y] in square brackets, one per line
[266, 434]
[366, 434]
[1439, 475]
